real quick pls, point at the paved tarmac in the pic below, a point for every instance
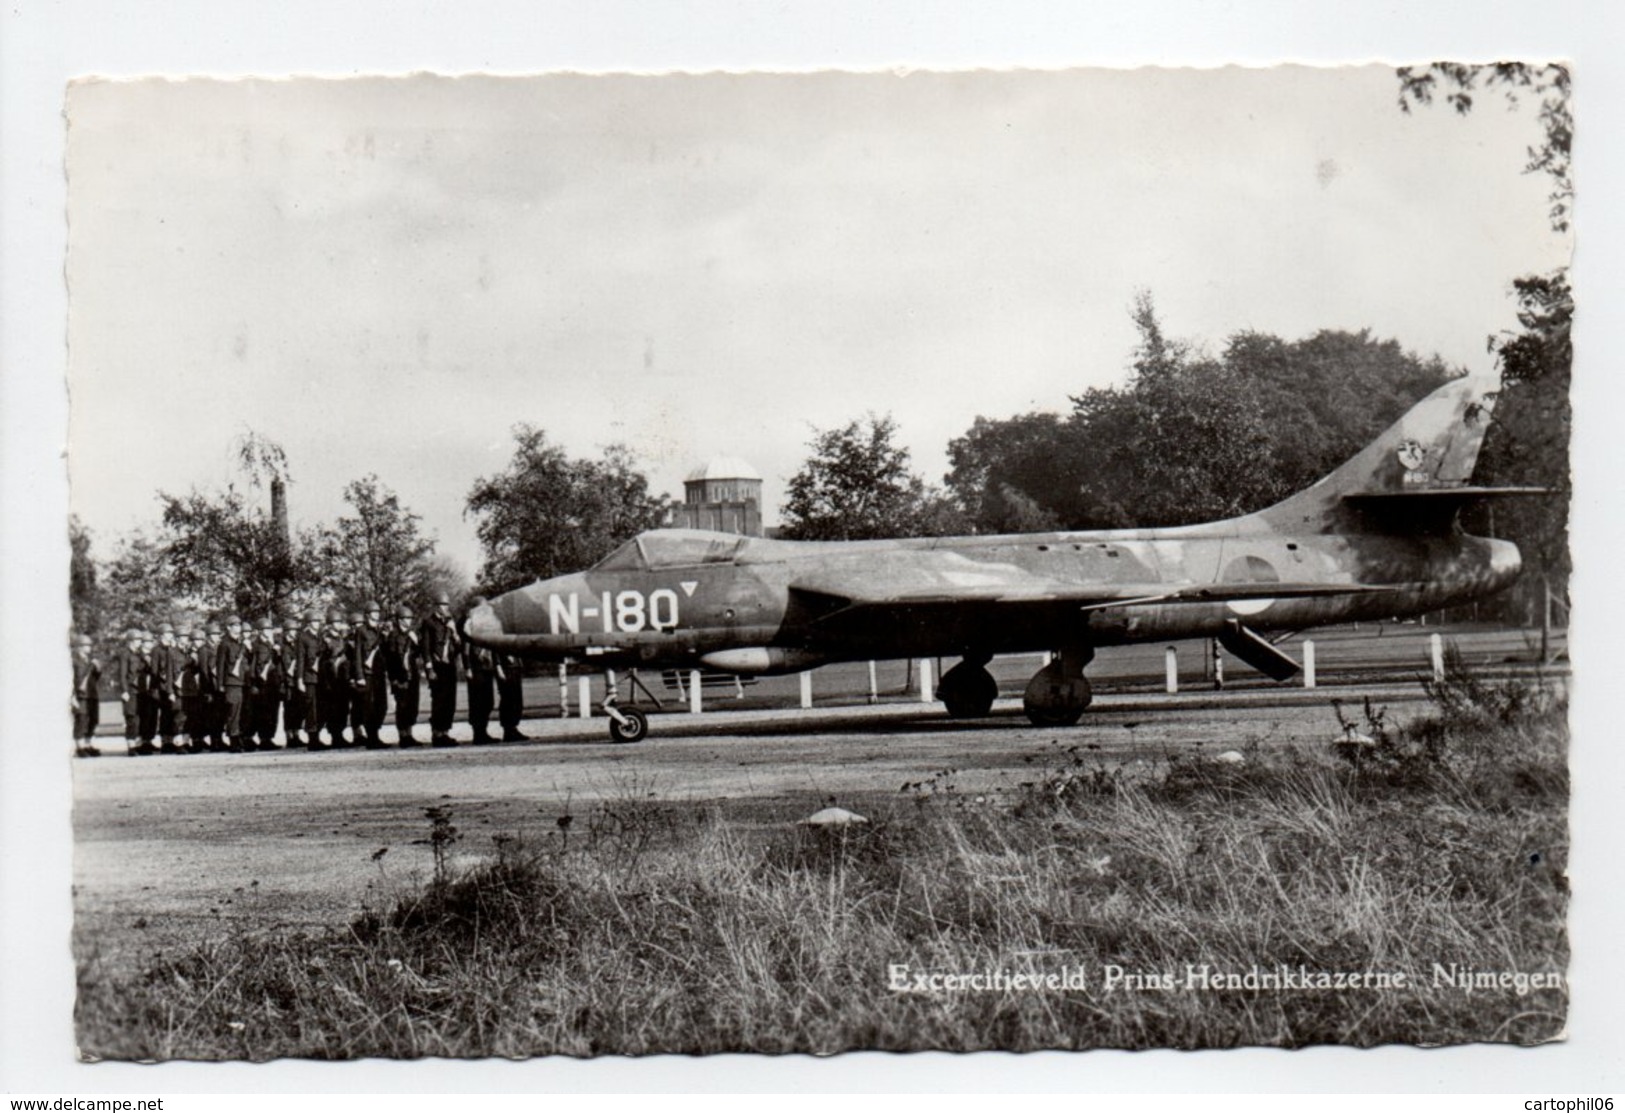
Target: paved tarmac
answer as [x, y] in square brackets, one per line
[169, 848]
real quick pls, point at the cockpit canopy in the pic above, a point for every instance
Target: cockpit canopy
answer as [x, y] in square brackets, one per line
[671, 548]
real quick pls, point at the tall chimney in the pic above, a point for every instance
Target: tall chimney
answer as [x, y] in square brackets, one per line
[279, 510]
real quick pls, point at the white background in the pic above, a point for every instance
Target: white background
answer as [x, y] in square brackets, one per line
[42, 46]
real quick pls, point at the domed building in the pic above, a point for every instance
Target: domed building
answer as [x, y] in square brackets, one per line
[723, 494]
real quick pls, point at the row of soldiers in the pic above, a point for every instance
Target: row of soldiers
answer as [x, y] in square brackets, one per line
[225, 685]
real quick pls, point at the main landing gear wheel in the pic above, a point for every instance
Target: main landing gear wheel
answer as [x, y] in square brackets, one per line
[1058, 693]
[968, 690]
[631, 726]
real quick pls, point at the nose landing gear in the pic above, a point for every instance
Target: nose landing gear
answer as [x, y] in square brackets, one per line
[626, 724]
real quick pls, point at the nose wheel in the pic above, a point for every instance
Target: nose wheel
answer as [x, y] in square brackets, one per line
[626, 724]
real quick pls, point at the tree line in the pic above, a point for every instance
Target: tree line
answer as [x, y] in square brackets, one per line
[214, 553]
[1192, 435]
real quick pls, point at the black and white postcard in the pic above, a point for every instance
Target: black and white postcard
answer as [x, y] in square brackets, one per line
[581, 565]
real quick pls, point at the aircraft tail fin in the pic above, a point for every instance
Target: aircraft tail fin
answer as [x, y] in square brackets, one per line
[1419, 467]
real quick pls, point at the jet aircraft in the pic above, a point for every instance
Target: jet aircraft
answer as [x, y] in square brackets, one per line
[1376, 538]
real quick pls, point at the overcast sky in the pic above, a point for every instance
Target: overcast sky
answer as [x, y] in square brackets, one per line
[386, 275]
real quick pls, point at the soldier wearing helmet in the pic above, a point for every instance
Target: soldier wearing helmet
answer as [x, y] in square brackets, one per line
[292, 709]
[442, 649]
[332, 681]
[131, 671]
[87, 673]
[189, 718]
[405, 657]
[166, 661]
[265, 685]
[233, 664]
[303, 656]
[147, 697]
[369, 678]
[355, 621]
[212, 700]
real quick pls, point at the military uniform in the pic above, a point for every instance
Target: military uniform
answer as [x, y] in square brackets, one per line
[405, 657]
[294, 698]
[190, 718]
[333, 684]
[232, 665]
[481, 665]
[167, 661]
[442, 647]
[355, 684]
[308, 680]
[265, 686]
[87, 708]
[368, 684]
[510, 696]
[147, 701]
[130, 672]
[211, 698]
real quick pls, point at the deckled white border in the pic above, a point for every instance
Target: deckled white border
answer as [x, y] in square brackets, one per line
[42, 45]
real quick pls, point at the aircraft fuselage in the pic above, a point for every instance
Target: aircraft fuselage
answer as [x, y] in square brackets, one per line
[746, 616]
[1377, 538]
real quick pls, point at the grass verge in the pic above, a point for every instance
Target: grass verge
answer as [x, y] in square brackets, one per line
[1436, 852]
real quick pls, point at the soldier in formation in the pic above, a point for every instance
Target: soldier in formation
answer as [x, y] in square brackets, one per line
[306, 665]
[189, 694]
[369, 674]
[87, 695]
[480, 664]
[230, 685]
[442, 649]
[166, 662]
[333, 682]
[510, 696]
[232, 669]
[265, 686]
[404, 656]
[212, 700]
[130, 673]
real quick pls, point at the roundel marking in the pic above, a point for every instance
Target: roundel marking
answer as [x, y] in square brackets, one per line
[1250, 569]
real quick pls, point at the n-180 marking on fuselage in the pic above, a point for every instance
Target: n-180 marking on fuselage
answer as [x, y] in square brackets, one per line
[625, 612]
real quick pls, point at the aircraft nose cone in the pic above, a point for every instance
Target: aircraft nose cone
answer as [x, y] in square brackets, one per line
[1505, 561]
[484, 624]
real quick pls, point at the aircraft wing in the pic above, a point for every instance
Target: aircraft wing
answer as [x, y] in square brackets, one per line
[843, 600]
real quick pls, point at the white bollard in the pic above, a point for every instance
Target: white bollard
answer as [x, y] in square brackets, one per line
[925, 680]
[874, 684]
[1308, 664]
[806, 689]
[585, 688]
[564, 690]
[1436, 649]
[1171, 669]
[1218, 666]
[694, 686]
